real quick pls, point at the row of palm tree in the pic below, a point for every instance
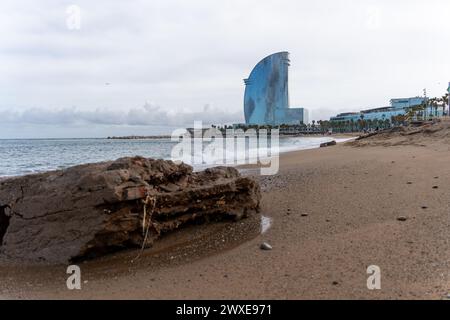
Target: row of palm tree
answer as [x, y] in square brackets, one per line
[354, 126]
[428, 109]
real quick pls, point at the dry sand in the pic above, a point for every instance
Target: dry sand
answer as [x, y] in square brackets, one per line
[334, 212]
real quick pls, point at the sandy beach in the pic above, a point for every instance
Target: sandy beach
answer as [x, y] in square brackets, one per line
[334, 211]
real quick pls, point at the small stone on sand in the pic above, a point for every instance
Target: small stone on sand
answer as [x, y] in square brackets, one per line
[304, 214]
[265, 246]
[402, 218]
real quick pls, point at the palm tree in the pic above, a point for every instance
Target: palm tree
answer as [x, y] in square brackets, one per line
[433, 103]
[363, 123]
[352, 124]
[327, 125]
[444, 100]
[375, 123]
[320, 122]
[394, 120]
[333, 125]
[416, 111]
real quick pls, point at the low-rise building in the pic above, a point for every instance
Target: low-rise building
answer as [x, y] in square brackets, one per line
[398, 107]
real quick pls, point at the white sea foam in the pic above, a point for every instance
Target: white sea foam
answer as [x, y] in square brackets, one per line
[201, 161]
[19, 157]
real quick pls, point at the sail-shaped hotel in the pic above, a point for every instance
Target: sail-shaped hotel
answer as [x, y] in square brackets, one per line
[266, 99]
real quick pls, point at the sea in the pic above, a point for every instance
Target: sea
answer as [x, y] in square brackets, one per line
[28, 156]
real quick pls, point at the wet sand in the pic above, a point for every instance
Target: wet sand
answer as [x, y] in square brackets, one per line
[334, 212]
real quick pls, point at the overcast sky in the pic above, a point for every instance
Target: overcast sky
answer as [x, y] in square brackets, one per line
[133, 67]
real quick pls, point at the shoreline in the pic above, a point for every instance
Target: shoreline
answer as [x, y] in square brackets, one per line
[287, 148]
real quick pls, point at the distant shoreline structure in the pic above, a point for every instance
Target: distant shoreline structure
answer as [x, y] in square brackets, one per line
[139, 137]
[282, 131]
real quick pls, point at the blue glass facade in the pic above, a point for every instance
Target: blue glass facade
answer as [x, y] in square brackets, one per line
[266, 99]
[407, 103]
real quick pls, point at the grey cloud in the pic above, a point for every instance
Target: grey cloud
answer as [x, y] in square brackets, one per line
[148, 115]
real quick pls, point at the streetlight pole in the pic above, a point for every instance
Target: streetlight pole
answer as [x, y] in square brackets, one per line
[448, 102]
[426, 104]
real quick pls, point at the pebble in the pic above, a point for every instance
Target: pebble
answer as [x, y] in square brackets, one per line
[265, 246]
[335, 283]
[402, 218]
[435, 187]
[304, 214]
